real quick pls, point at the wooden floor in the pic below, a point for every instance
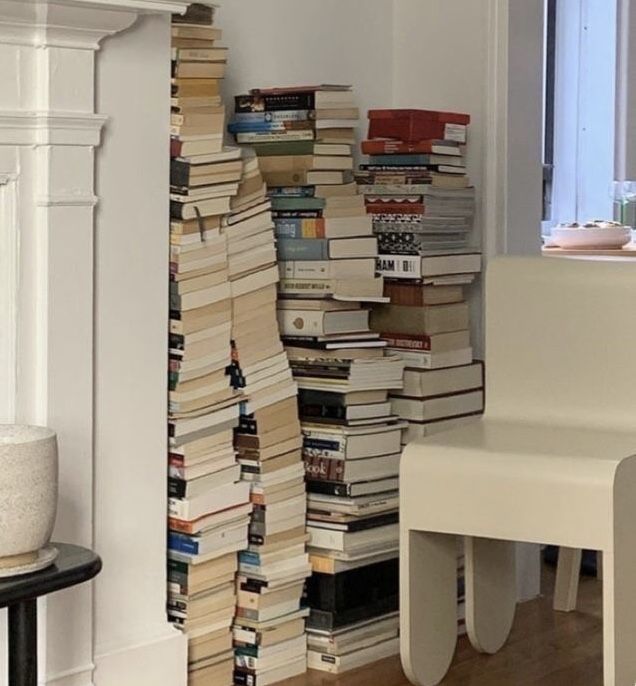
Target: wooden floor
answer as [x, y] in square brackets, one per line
[545, 649]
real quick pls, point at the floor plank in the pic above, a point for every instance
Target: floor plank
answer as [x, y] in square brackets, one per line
[545, 649]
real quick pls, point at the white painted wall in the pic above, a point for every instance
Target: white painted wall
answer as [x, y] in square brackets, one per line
[291, 42]
[134, 644]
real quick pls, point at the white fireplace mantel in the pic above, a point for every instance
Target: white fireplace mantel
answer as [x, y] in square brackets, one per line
[49, 132]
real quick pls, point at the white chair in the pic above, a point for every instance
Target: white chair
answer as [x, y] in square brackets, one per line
[551, 461]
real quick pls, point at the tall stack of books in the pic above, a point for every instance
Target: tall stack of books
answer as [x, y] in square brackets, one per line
[209, 505]
[269, 628]
[327, 259]
[423, 205]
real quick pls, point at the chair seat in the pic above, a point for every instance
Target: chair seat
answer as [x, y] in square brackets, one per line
[515, 481]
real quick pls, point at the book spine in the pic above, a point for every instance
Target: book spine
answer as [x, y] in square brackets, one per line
[399, 160]
[306, 396]
[182, 544]
[299, 228]
[296, 214]
[179, 526]
[400, 208]
[305, 287]
[177, 488]
[177, 567]
[324, 447]
[179, 173]
[324, 469]
[274, 116]
[298, 269]
[302, 249]
[244, 677]
[395, 147]
[302, 100]
[411, 342]
[268, 126]
[274, 137]
[175, 147]
[176, 210]
[340, 489]
[284, 194]
[297, 203]
[247, 557]
[400, 266]
[320, 411]
[177, 508]
[396, 186]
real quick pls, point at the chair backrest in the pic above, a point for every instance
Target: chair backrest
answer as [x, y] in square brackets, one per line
[561, 341]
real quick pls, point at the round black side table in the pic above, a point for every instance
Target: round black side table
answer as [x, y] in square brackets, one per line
[74, 565]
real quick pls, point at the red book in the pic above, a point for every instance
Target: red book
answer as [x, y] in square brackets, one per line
[430, 147]
[413, 126]
[175, 147]
[395, 208]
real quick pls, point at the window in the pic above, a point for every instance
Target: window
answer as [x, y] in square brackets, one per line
[580, 107]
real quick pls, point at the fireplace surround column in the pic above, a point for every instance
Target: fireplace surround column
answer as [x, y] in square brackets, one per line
[49, 133]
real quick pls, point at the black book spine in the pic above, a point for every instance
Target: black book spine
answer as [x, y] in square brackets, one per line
[330, 488]
[176, 209]
[328, 621]
[253, 586]
[354, 589]
[244, 678]
[179, 173]
[177, 341]
[303, 100]
[308, 397]
[176, 487]
[372, 522]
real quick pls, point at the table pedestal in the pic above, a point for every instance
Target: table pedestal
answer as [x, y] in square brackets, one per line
[23, 643]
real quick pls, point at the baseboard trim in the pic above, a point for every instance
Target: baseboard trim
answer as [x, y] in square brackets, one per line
[161, 662]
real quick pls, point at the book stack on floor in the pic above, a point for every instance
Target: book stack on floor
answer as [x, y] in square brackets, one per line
[209, 505]
[423, 205]
[427, 325]
[303, 138]
[351, 446]
[269, 629]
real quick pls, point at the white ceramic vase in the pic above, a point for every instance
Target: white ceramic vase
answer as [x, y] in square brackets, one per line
[28, 495]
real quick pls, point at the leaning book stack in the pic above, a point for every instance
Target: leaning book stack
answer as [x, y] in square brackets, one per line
[351, 439]
[269, 628]
[209, 504]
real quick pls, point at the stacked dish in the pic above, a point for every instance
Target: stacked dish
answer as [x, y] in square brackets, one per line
[594, 234]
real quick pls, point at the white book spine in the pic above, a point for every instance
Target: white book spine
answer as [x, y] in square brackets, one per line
[400, 266]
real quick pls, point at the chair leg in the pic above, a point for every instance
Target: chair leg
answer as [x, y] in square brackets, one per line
[491, 592]
[619, 618]
[428, 605]
[566, 588]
